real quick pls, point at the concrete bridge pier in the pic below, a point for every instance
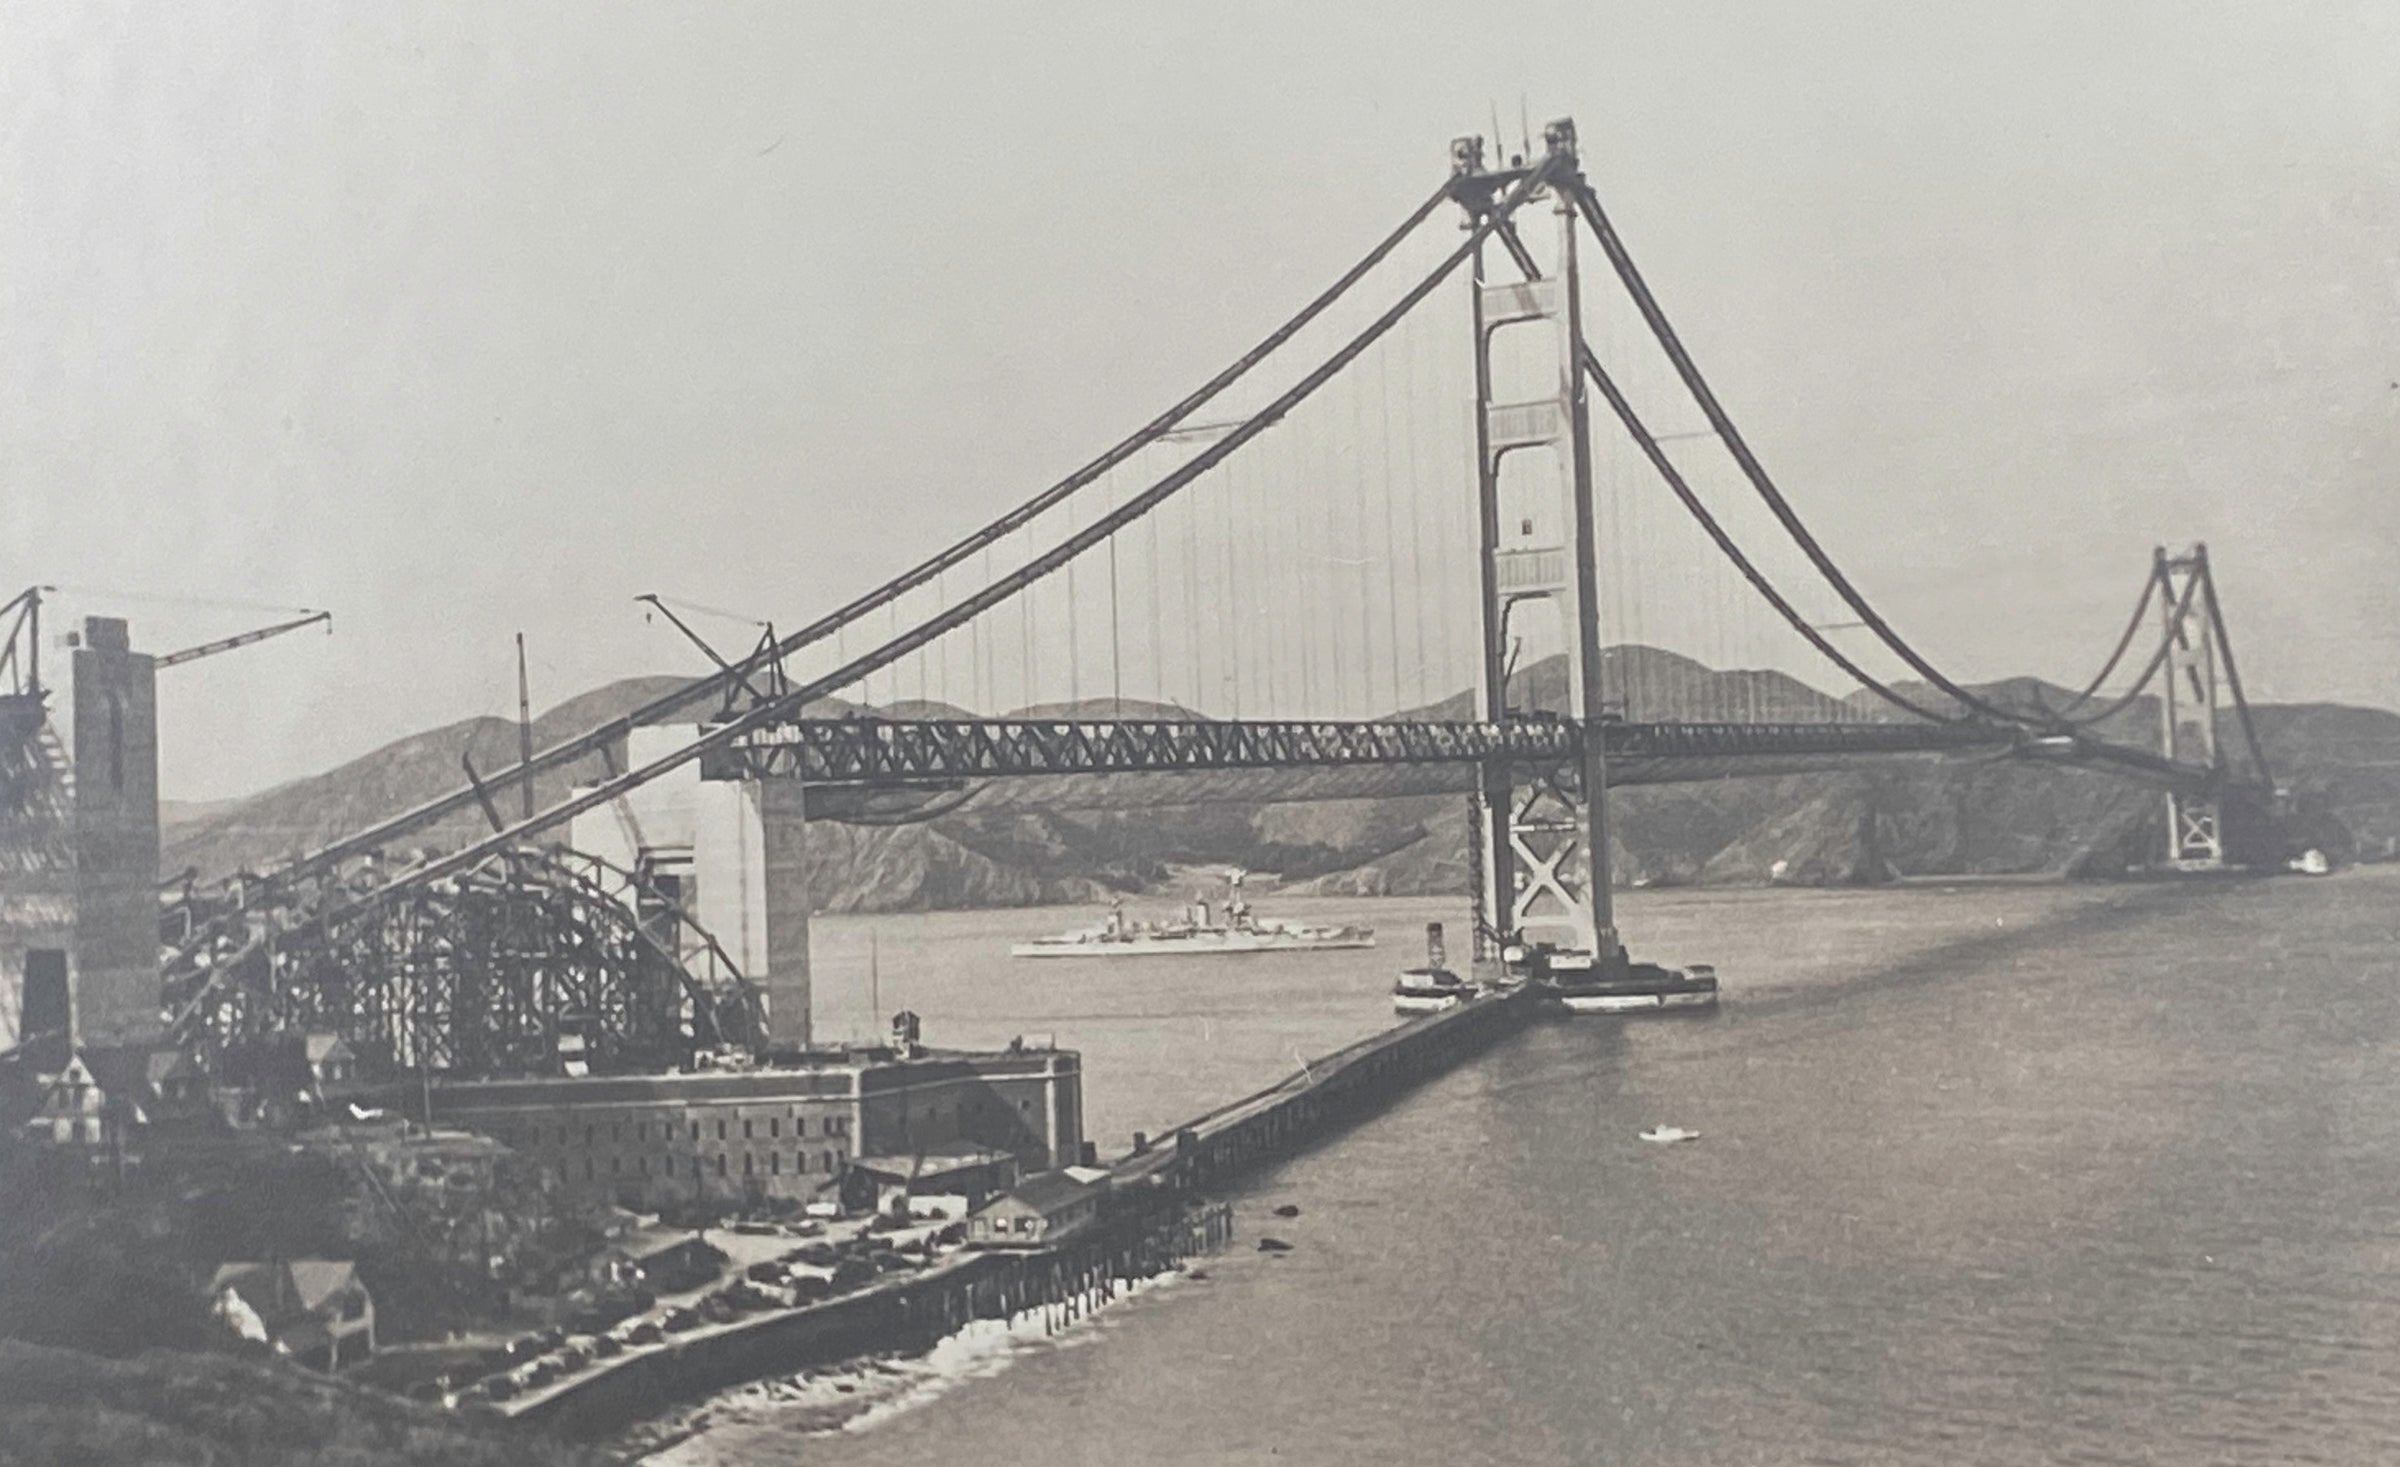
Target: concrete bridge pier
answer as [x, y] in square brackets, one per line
[733, 854]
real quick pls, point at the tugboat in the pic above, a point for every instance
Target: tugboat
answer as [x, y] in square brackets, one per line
[1582, 985]
[1195, 932]
[1432, 988]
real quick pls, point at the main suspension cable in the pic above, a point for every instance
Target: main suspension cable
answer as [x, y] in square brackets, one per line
[2158, 659]
[2233, 675]
[602, 736]
[2141, 608]
[1649, 445]
[1589, 203]
[790, 704]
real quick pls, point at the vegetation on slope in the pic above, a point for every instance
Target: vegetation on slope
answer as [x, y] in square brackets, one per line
[62, 1408]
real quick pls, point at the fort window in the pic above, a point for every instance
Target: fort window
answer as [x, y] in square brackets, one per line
[775, 1126]
[745, 1130]
[749, 1163]
[695, 1130]
[775, 1163]
[616, 1166]
[720, 1163]
[669, 1161]
[720, 1130]
[588, 1133]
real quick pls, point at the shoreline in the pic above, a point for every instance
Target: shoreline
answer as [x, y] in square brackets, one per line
[1164, 1207]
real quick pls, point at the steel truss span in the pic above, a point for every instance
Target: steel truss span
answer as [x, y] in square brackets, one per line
[864, 751]
[528, 963]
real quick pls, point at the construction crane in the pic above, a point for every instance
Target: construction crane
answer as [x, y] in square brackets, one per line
[244, 639]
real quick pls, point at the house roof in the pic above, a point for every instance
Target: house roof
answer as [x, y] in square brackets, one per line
[643, 1244]
[281, 1292]
[163, 1065]
[121, 1071]
[1047, 1191]
[946, 1160]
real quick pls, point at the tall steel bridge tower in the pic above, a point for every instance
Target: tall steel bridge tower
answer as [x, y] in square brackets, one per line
[1541, 834]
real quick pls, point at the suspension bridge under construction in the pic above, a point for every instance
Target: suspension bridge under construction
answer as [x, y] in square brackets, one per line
[1481, 458]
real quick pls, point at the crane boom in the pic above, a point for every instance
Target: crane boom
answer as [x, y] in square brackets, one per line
[244, 639]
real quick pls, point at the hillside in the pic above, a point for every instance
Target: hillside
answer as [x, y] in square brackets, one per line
[165, 1407]
[1073, 840]
[228, 835]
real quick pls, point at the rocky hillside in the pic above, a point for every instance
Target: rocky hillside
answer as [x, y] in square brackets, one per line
[1074, 840]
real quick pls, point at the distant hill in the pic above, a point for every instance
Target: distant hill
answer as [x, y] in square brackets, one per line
[259, 830]
[1077, 839]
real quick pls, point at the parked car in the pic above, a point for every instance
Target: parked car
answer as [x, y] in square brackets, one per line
[679, 1318]
[644, 1332]
[820, 1254]
[750, 1228]
[808, 1288]
[494, 1388]
[717, 1309]
[764, 1273]
[850, 1273]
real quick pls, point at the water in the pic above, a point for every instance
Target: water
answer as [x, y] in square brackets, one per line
[2006, 1174]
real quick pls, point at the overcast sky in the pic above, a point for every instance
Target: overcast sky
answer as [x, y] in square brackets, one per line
[461, 319]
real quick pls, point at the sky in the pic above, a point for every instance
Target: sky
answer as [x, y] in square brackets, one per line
[466, 320]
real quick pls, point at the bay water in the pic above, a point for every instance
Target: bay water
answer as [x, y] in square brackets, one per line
[2006, 1173]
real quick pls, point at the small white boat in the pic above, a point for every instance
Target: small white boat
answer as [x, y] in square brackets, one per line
[1433, 987]
[1667, 1135]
